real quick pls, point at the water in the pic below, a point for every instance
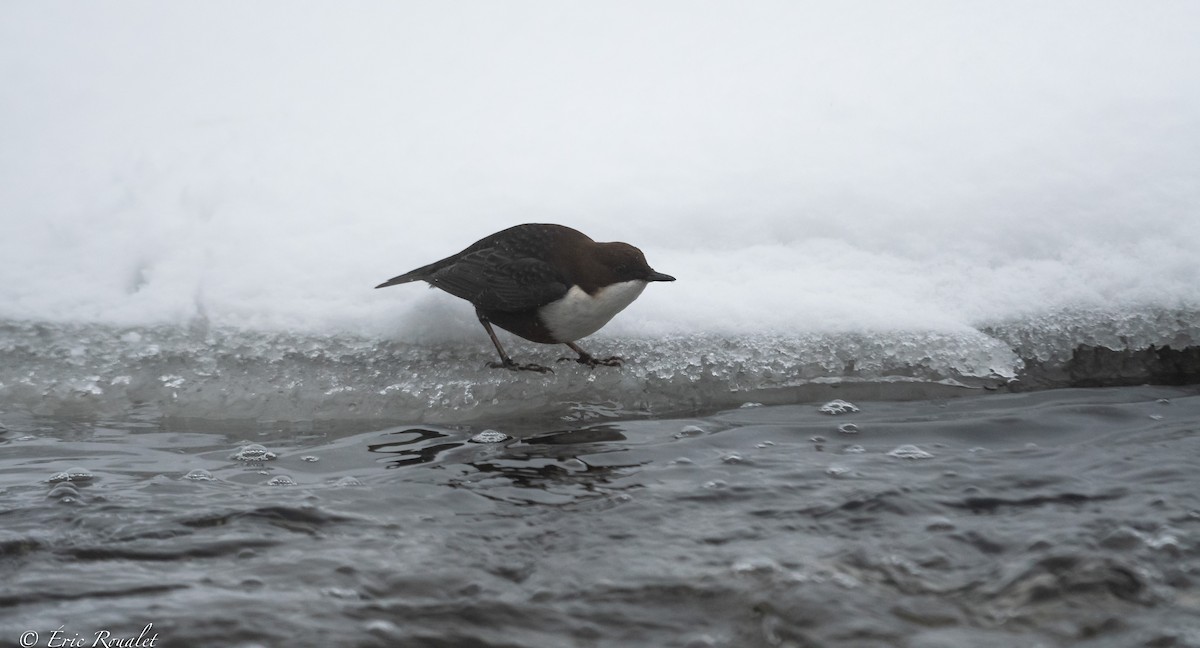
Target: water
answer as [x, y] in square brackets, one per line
[975, 226]
[1054, 518]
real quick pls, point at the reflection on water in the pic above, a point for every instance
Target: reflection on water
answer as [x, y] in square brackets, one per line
[413, 447]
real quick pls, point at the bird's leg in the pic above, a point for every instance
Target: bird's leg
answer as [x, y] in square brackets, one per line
[588, 359]
[505, 361]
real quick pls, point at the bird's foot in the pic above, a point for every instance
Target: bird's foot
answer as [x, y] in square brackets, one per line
[592, 361]
[513, 366]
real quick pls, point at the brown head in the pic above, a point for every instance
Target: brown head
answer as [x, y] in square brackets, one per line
[618, 262]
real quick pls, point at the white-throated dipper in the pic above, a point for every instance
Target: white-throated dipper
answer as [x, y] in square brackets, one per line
[546, 283]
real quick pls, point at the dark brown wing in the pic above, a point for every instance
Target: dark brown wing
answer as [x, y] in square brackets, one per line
[507, 271]
[493, 279]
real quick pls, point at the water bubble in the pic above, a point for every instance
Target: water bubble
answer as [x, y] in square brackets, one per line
[837, 471]
[345, 482]
[732, 459]
[253, 452]
[854, 449]
[281, 480]
[909, 452]
[689, 431]
[847, 428]
[683, 461]
[489, 436]
[818, 439]
[765, 444]
[199, 474]
[310, 458]
[716, 484]
[838, 406]
[1156, 417]
[749, 405]
[72, 475]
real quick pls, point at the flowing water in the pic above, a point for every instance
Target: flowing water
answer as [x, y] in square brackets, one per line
[1054, 518]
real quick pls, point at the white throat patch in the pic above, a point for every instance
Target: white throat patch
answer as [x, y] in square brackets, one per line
[578, 314]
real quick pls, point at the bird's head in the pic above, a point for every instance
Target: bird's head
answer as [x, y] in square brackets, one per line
[627, 263]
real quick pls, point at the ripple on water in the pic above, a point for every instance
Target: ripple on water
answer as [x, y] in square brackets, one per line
[65, 493]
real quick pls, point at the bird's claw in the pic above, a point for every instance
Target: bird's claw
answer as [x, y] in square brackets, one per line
[590, 361]
[513, 366]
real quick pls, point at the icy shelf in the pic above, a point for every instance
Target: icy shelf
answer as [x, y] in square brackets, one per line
[238, 374]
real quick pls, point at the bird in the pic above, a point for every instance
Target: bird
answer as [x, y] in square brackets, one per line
[543, 282]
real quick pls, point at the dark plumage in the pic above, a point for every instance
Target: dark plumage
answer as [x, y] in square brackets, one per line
[545, 283]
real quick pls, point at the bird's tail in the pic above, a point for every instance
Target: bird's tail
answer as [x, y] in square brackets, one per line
[404, 278]
[422, 273]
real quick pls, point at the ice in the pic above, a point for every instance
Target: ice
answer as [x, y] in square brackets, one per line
[253, 452]
[838, 406]
[490, 436]
[928, 205]
[230, 373]
[72, 475]
[909, 451]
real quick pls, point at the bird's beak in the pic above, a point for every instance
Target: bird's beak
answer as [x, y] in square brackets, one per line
[658, 276]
